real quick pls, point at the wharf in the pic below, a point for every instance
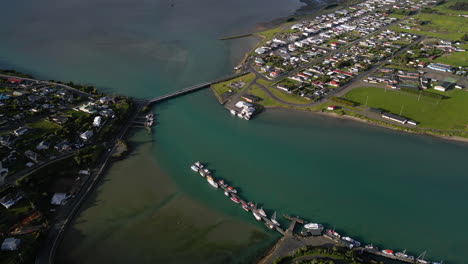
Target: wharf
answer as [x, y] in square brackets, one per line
[380, 253]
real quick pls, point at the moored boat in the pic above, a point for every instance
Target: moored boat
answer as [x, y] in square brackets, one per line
[194, 167]
[222, 183]
[232, 189]
[211, 181]
[198, 164]
[233, 112]
[256, 216]
[273, 219]
[226, 193]
[245, 207]
[234, 199]
[387, 251]
[261, 212]
[202, 172]
[270, 226]
[313, 226]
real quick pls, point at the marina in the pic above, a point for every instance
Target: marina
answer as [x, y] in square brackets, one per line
[311, 231]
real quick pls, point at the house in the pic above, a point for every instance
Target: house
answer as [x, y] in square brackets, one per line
[59, 119]
[63, 146]
[107, 113]
[3, 173]
[4, 96]
[14, 80]
[250, 98]
[97, 121]
[5, 140]
[284, 88]
[444, 86]
[59, 198]
[87, 135]
[43, 145]
[32, 155]
[11, 244]
[106, 100]
[331, 107]
[395, 118]
[440, 67]
[87, 108]
[21, 131]
[11, 199]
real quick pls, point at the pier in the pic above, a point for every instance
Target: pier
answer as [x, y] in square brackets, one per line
[291, 241]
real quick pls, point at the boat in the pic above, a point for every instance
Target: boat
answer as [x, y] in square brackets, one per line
[207, 172]
[240, 115]
[234, 199]
[245, 207]
[226, 193]
[387, 251]
[352, 241]
[333, 233]
[211, 181]
[222, 184]
[371, 247]
[198, 164]
[256, 216]
[313, 226]
[261, 212]
[401, 254]
[233, 112]
[247, 117]
[202, 172]
[273, 219]
[270, 226]
[232, 189]
[194, 168]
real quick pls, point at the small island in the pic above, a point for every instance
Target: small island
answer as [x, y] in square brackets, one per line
[398, 64]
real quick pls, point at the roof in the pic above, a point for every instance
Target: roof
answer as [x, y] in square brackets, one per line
[393, 116]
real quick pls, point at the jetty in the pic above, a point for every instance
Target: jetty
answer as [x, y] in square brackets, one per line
[291, 241]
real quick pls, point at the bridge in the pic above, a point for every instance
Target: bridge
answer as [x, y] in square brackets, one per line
[192, 88]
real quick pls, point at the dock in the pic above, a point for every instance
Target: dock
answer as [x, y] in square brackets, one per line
[315, 240]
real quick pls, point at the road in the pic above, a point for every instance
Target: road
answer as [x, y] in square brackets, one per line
[66, 213]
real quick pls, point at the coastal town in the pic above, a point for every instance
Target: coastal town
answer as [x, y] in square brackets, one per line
[385, 62]
[335, 63]
[51, 137]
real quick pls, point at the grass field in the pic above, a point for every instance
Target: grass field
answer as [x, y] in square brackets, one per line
[449, 114]
[440, 26]
[455, 59]
[290, 98]
[45, 125]
[223, 87]
[444, 8]
[266, 100]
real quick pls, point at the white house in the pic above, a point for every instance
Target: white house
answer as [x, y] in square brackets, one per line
[97, 121]
[87, 135]
[11, 243]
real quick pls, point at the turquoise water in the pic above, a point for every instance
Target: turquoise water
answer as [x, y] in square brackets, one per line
[380, 186]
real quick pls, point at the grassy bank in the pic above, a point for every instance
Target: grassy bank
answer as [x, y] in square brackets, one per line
[223, 87]
[449, 114]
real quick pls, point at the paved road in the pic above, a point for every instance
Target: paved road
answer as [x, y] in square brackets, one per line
[66, 213]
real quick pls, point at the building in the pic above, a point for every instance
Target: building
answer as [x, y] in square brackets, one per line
[331, 107]
[63, 146]
[43, 145]
[444, 86]
[250, 98]
[395, 118]
[87, 135]
[21, 131]
[97, 121]
[11, 244]
[440, 67]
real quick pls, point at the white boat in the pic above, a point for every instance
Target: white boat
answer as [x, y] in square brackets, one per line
[313, 226]
[240, 115]
[261, 212]
[207, 172]
[202, 173]
[233, 112]
[226, 193]
[198, 164]
[194, 168]
[211, 181]
[256, 216]
[273, 219]
[247, 117]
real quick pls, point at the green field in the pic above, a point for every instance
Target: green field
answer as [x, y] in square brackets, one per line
[445, 8]
[223, 87]
[449, 114]
[45, 125]
[266, 100]
[455, 59]
[290, 98]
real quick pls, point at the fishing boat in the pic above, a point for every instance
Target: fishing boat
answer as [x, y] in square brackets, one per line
[245, 207]
[352, 241]
[234, 199]
[273, 219]
[222, 183]
[261, 212]
[202, 173]
[232, 189]
[371, 247]
[194, 167]
[387, 251]
[211, 181]
[226, 193]
[314, 226]
[270, 226]
[401, 254]
[198, 164]
[256, 216]
[233, 112]
[207, 172]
